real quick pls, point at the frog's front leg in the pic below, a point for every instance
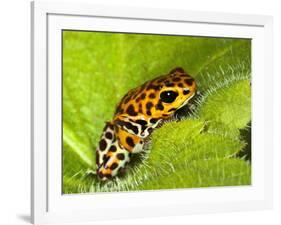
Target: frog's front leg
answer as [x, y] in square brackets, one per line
[138, 126]
[115, 149]
[131, 142]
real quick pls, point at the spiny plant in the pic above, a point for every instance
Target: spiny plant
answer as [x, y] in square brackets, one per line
[197, 150]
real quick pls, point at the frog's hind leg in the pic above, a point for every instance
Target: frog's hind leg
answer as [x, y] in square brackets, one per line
[111, 157]
[114, 163]
[106, 141]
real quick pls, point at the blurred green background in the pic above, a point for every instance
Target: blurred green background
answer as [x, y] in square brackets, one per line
[203, 150]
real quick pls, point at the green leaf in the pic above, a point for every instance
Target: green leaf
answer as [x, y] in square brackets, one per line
[203, 173]
[199, 151]
[224, 106]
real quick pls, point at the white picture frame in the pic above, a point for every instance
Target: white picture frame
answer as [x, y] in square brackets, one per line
[48, 205]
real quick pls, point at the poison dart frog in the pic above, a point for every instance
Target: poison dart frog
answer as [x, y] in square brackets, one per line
[139, 112]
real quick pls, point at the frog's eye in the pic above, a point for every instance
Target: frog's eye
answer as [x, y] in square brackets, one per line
[168, 96]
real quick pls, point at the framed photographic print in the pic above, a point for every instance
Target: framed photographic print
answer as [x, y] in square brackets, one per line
[148, 112]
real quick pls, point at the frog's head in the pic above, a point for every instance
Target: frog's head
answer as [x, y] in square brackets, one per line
[158, 98]
[171, 92]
